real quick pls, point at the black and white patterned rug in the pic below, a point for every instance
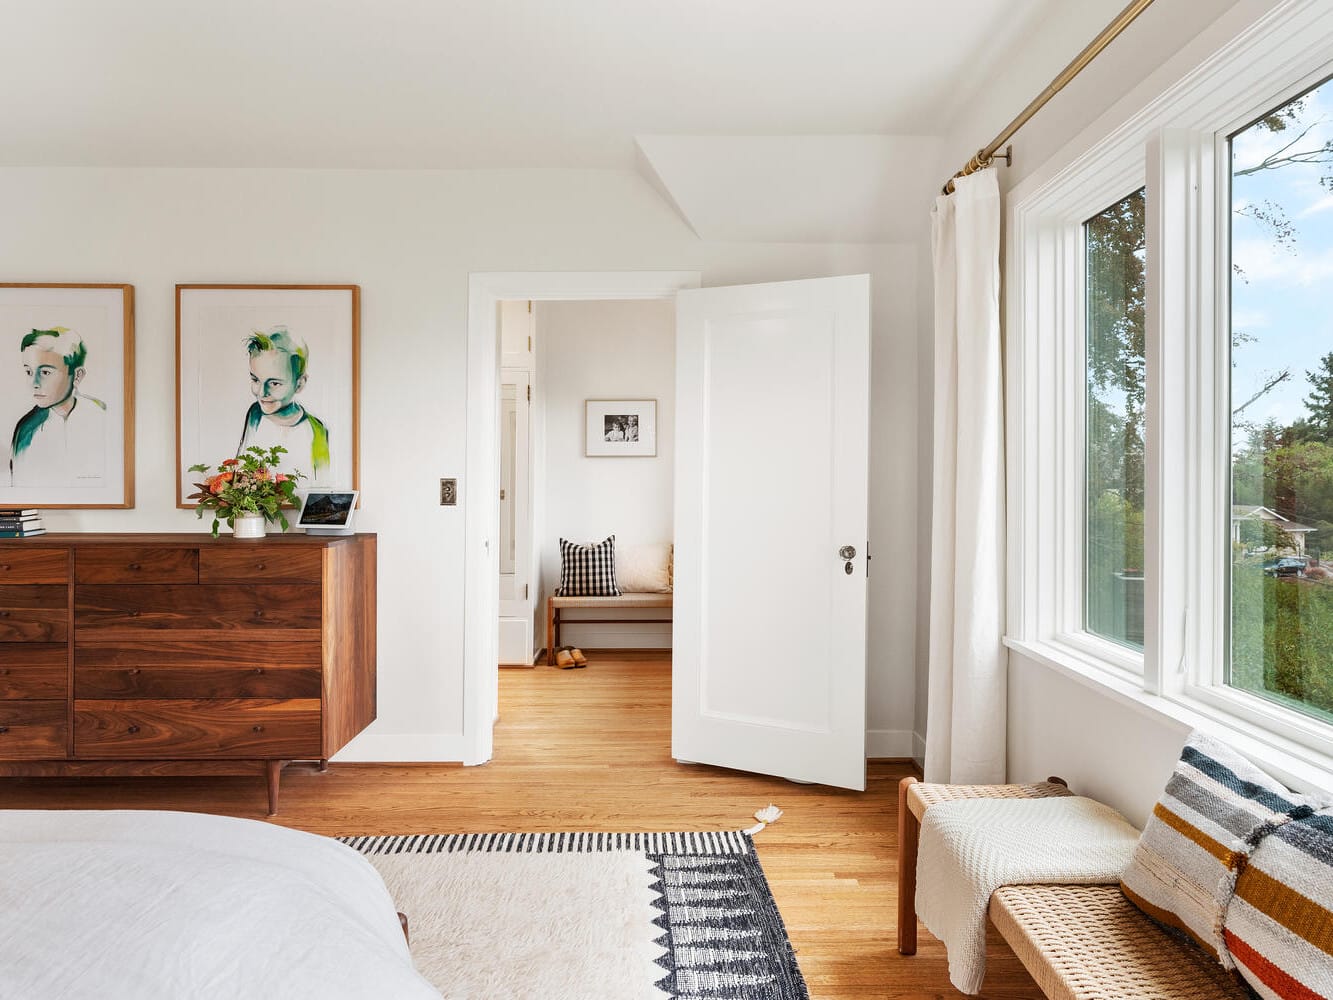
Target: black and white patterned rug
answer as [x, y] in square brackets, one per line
[586, 916]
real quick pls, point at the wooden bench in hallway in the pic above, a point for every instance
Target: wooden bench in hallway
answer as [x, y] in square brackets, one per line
[556, 605]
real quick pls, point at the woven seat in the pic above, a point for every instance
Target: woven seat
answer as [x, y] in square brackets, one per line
[623, 601]
[1088, 942]
[1079, 942]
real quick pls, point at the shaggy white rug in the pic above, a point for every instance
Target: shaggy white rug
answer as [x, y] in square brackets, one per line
[589, 916]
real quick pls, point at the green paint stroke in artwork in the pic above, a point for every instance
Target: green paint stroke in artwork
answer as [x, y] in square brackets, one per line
[76, 353]
[319, 444]
[27, 427]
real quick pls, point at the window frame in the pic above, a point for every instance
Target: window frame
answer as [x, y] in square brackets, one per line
[1175, 145]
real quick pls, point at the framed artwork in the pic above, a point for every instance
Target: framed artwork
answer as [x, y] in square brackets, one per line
[266, 365]
[67, 395]
[620, 428]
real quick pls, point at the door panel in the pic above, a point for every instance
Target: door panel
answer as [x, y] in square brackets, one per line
[771, 480]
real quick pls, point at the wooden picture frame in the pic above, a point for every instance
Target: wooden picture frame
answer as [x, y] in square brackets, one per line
[85, 459]
[620, 428]
[308, 336]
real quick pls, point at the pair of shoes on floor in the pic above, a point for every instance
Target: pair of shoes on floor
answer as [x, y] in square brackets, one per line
[568, 657]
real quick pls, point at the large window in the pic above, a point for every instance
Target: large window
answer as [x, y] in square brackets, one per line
[1113, 249]
[1169, 356]
[1281, 280]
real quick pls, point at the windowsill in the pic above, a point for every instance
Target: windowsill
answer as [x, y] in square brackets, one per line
[1296, 765]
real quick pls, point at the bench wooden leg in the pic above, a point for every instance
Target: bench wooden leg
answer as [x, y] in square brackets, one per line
[550, 632]
[909, 831]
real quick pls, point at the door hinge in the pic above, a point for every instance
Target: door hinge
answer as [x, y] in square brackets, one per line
[529, 305]
[529, 387]
[525, 591]
[502, 494]
[529, 345]
[867, 558]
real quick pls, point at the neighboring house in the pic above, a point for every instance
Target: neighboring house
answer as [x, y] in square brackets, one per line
[1242, 513]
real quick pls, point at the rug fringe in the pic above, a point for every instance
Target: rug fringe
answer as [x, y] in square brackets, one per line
[768, 815]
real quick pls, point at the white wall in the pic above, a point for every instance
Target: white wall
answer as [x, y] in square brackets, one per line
[605, 350]
[1057, 726]
[410, 238]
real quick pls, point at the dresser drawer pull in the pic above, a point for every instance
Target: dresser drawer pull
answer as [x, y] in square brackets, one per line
[134, 614]
[259, 670]
[256, 729]
[5, 567]
[261, 566]
[135, 566]
[259, 614]
[4, 671]
[133, 671]
[4, 614]
[3, 730]
[132, 730]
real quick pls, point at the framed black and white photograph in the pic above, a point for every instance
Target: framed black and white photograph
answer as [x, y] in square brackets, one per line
[621, 428]
[266, 365]
[67, 395]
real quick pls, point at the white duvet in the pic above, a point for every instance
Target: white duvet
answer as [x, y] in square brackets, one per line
[146, 905]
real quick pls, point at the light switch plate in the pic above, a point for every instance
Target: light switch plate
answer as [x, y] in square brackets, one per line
[448, 492]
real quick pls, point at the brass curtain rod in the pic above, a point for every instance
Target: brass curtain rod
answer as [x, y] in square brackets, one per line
[987, 155]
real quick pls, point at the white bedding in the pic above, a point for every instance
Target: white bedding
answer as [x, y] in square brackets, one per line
[145, 905]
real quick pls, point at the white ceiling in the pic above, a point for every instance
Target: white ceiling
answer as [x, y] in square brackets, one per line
[483, 83]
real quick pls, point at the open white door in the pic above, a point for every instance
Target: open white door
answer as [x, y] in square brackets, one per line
[772, 450]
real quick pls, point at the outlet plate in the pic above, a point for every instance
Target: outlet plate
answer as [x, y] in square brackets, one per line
[448, 492]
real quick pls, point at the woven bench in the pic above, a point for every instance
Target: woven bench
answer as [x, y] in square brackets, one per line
[1079, 942]
[555, 604]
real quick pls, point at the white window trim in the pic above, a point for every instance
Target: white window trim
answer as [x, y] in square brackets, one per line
[1172, 144]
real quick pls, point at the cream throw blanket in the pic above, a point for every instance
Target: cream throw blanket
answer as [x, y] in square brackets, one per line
[971, 847]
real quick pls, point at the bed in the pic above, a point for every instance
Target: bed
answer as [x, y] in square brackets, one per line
[121, 904]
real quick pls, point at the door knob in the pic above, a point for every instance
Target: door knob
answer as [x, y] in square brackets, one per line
[847, 552]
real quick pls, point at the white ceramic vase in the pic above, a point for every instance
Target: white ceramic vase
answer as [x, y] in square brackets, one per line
[248, 526]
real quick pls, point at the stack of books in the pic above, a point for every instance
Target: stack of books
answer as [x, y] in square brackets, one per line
[17, 522]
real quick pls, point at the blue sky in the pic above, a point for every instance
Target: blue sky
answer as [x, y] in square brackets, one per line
[1285, 300]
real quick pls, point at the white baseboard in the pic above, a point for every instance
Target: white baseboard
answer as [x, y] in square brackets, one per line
[403, 748]
[919, 750]
[889, 743]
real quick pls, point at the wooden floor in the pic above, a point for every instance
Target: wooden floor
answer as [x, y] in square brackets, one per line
[590, 750]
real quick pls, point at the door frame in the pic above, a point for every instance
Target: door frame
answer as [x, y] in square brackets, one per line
[481, 474]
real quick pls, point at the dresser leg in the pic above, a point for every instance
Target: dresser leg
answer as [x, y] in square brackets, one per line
[324, 765]
[273, 771]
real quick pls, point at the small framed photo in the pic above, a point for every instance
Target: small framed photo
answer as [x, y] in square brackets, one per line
[621, 428]
[266, 365]
[67, 395]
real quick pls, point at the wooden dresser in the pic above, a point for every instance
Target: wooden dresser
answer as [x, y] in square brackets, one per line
[183, 654]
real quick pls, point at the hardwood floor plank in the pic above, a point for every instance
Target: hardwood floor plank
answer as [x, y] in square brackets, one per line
[590, 750]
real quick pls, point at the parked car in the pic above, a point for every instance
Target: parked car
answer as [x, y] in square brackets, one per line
[1287, 566]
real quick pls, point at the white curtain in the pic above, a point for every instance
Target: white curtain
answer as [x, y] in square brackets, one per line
[965, 718]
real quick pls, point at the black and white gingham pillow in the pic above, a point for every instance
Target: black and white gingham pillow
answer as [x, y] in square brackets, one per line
[588, 570]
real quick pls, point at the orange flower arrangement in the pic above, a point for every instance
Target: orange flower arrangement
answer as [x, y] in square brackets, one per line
[247, 484]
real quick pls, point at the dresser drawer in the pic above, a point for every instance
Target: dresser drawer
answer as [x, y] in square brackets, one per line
[34, 613]
[166, 669]
[34, 566]
[287, 563]
[189, 729]
[135, 564]
[100, 611]
[33, 670]
[33, 730]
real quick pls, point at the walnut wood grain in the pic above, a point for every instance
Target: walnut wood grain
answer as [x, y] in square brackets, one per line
[191, 729]
[203, 608]
[47, 596]
[135, 564]
[34, 625]
[112, 683]
[34, 565]
[129, 768]
[33, 670]
[264, 565]
[349, 642]
[31, 730]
